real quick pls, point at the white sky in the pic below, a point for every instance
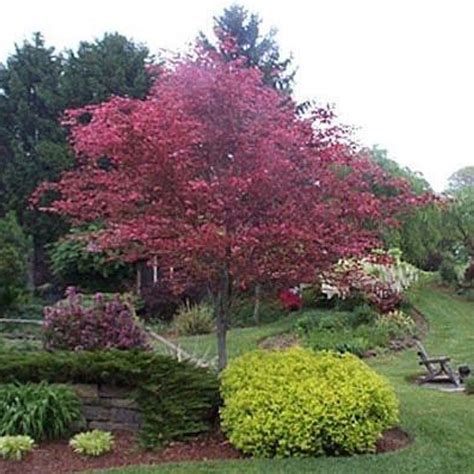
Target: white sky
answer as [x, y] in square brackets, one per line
[402, 71]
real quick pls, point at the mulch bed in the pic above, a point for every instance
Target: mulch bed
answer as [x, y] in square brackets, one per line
[58, 458]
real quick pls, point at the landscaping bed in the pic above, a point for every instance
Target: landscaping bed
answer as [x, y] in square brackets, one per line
[325, 329]
[57, 457]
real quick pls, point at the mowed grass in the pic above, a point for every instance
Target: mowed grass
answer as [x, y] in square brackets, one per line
[239, 340]
[441, 424]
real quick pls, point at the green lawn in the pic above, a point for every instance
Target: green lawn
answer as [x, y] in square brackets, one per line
[239, 340]
[442, 425]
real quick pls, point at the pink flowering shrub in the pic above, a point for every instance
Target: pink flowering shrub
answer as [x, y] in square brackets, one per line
[74, 325]
[353, 281]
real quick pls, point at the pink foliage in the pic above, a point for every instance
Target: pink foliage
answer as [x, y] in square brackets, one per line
[216, 171]
[290, 300]
[73, 325]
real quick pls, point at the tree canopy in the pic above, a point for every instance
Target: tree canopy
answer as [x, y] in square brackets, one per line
[218, 180]
[461, 179]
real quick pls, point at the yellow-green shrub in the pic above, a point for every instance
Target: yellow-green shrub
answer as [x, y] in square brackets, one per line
[300, 403]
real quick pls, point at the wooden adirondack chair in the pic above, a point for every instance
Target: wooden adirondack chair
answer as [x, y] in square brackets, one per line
[438, 368]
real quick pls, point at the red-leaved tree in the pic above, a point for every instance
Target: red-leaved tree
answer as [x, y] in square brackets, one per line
[216, 177]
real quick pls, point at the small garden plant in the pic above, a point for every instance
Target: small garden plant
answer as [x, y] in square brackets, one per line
[15, 447]
[300, 403]
[194, 319]
[92, 443]
[41, 411]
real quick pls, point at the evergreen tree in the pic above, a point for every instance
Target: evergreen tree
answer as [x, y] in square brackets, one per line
[242, 28]
[34, 147]
[113, 65]
[36, 86]
[14, 252]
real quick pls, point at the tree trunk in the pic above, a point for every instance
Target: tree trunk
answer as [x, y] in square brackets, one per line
[256, 308]
[221, 308]
[30, 277]
[139, 279]
[221, 340]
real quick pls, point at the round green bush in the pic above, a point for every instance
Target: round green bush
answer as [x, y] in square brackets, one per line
[301, 403]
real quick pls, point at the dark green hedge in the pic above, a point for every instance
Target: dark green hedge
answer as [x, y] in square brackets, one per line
[177, 399]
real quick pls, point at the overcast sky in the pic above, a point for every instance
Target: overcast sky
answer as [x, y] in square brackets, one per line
[400, 70]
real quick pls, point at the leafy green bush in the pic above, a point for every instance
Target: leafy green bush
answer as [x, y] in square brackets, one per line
[41, 411]
[363, 314]
[194, 319]
[74, 263]
[92, 443]
[176, 398]
[15, 447]
[321, 320]
[300, 403]
[356, 341]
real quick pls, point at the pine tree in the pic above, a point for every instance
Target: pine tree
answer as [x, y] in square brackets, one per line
[34, 147]
[113, 65]
[244, 30]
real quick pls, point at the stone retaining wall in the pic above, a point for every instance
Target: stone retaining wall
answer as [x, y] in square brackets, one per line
[108, 407]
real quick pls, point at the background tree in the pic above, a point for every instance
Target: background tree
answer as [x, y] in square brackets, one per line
[460, 222]
[36, 85]
[15, 248]
[421, 235]
[221, 183]
[461, 179]
[238, 33]
[34, 144]
[76, 262]
[112, 65]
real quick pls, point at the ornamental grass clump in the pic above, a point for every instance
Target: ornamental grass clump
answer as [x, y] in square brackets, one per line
[301, 403]
[74, 325]
[41, 411]
[194, 319]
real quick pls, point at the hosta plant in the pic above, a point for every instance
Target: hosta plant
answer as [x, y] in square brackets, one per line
[15, 447]
[92, 443]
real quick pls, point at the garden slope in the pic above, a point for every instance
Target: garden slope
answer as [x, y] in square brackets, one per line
[441, 424]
